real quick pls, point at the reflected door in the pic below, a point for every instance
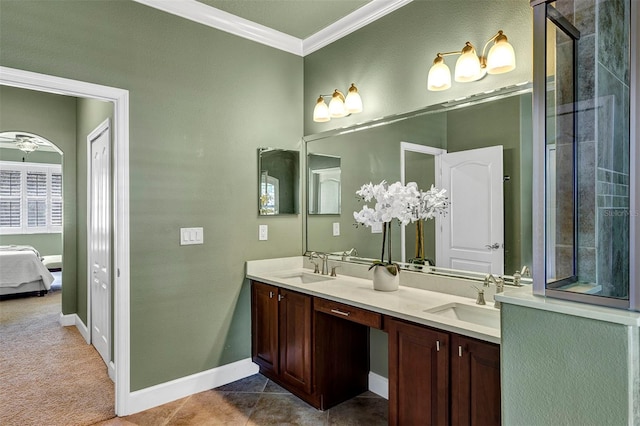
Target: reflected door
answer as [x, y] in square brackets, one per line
[472, 236]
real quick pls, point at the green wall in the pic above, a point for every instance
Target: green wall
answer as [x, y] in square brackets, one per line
[565, 370]
[201, 103]
[54, 118]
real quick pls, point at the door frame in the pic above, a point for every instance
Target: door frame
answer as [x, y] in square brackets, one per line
[422, 149]
[120, 209]
[106, 124]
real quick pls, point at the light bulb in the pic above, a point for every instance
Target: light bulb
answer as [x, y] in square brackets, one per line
[501, 57]
[353, 103]
[468, 65]
[336, 106]
[321, 111]
[439, 77]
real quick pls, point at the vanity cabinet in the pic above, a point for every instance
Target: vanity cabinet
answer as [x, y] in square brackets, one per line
[281, 336]
[440, 378]
[315, 348]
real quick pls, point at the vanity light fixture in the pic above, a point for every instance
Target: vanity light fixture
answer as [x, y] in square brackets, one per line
[470, 66]
[339, 106]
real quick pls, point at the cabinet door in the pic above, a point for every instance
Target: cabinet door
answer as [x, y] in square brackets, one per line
[418, 375]
[295, 339]
[264, 326]
[475, 382]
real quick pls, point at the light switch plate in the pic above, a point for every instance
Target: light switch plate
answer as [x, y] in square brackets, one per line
[336, 229]
[376, 228]
[263, 232]
[190, 236]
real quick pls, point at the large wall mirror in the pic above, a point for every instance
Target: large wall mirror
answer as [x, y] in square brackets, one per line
[472, 138]
[278, 181]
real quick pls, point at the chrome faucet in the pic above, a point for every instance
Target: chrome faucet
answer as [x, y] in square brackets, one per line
[352, 252]
[314, 255]
[498, 282]
[525, 272]
[325, 263]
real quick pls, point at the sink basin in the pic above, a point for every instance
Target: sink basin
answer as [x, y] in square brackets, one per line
[468, 313]
[304, 278]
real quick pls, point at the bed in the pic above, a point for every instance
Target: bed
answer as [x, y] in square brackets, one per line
[22, 271]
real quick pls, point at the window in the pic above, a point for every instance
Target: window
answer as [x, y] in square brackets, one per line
[30, 198]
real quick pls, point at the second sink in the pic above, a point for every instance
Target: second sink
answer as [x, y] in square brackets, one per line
[467, 313]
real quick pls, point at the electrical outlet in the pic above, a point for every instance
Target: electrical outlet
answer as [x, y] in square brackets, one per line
[336, 229]
[376, 228]
[263, 232]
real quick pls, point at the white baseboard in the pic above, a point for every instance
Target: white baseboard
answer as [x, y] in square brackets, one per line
[170, 391]
[74, 319]
[379, 385]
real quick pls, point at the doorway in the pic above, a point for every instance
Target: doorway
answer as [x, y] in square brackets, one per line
[120, 208]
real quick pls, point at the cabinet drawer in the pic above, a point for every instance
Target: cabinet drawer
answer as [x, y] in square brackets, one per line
[351, 313]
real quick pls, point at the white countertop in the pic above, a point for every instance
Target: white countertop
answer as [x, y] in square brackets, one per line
[406, 303]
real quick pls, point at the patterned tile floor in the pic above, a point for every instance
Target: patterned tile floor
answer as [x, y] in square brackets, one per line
[257, 400]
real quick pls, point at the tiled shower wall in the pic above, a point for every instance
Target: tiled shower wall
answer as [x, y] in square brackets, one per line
[603, 143]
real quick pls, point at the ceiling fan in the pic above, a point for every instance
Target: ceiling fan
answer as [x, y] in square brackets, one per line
[23, 141]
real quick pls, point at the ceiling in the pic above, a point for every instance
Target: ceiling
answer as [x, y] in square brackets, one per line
[295, 26]
[299, 18]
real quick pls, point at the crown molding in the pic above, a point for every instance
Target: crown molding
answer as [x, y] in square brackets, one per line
[224, 21]
[359, 18]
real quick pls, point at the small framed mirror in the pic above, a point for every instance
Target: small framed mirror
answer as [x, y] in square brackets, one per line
[324, 186]
[278, 182]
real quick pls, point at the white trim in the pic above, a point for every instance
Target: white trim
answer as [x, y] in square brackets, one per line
[179, 388]
[120, 98]
[69, 320]
[359, 18]
[224, 21]
[422, 149]
[379, 385]
[233, 24]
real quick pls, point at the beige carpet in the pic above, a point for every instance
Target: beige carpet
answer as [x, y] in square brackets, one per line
[49, 375]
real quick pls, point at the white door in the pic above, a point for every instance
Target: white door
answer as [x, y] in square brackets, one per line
[100, 241]
[472, 233]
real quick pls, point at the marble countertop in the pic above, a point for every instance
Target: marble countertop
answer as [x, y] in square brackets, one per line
[406, 303]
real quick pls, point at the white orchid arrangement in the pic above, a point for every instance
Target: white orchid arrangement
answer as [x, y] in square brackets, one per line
[406, 203]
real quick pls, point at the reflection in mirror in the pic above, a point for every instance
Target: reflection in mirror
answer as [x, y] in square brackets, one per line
[278, 181]
[323, 185]
[372, 153]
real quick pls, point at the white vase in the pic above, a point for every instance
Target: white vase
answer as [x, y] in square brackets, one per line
[383, 280]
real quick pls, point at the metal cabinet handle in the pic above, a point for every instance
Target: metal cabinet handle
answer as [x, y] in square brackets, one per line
[339, 312]
[280, 297]
[438, 345]
[460, 351]
[270, 295]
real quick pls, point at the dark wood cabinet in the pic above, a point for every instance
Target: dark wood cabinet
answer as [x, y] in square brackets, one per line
[319, 355]
[440, 378]
[418, 375]
[475, 382]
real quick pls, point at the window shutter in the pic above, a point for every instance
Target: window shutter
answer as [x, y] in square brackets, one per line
[10, 198]
[56, 199]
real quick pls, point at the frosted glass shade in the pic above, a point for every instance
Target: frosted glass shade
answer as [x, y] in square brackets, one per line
[468, 67]
[439, 77]
[321, 111]
[353, 103]
[336, 106]
[501, 58]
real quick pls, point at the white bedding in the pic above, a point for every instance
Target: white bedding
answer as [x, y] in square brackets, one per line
[20, 265]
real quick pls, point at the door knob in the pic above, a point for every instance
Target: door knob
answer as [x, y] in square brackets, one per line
[493, 246]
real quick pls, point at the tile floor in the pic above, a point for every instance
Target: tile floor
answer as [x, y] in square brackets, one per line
[257, 400]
